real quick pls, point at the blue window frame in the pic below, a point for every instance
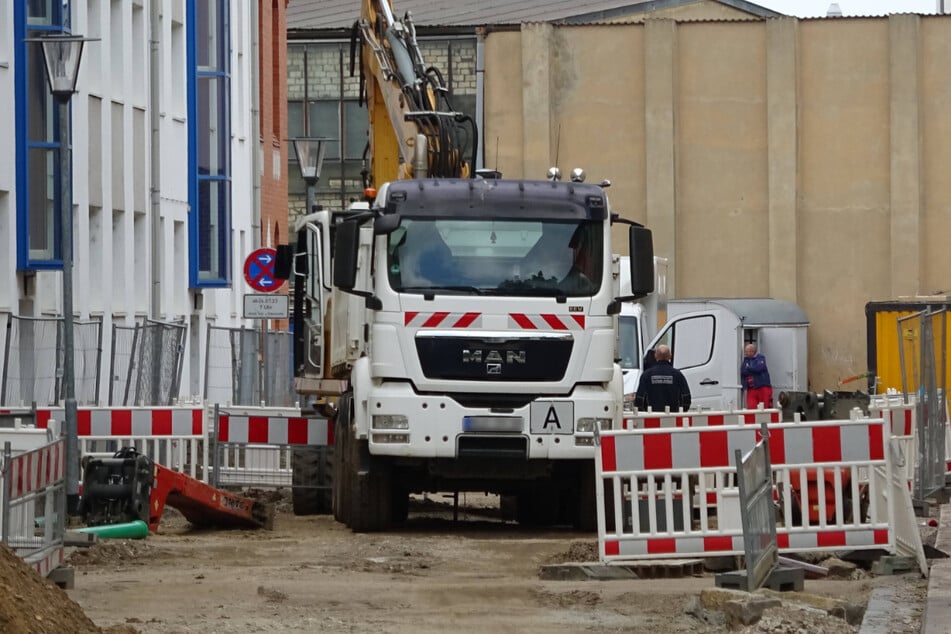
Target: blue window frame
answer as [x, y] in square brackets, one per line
[209, 141]
[38, 141]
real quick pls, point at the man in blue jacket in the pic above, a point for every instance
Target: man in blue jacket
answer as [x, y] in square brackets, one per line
[755, 378]
[662, 385]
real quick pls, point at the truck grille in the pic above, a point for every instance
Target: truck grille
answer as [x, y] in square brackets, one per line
[475, 359]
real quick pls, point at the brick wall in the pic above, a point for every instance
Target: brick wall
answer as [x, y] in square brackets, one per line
[273, 100]
[320, 78]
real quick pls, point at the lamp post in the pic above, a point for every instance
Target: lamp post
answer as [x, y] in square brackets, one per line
[62, 54]
[310, 156]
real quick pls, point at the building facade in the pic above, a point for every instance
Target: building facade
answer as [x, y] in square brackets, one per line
[173, 182]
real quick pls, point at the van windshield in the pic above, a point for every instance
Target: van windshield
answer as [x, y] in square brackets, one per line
[496, 257]
[629, 346]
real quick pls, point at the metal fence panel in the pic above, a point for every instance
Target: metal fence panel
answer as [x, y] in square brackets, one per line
[123, 348]
[757, 512]
[147, 363]
[33, 357]
[919, 335]
[249, 367]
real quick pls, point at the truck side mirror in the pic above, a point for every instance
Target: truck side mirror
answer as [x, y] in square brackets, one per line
[641, 249]
[284, 262]
[346, 245]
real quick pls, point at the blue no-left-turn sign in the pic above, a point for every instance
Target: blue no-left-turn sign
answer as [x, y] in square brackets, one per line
[259, 270]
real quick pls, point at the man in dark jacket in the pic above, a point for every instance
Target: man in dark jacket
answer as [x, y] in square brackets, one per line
[662, 385]
[755, 378]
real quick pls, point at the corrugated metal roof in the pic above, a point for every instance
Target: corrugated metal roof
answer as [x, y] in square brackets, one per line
[340, 14]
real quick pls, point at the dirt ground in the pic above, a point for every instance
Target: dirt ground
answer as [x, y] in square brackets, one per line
[477, 574]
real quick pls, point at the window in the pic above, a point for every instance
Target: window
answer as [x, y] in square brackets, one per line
[323, 100]
[629, 345]
[38, 141]
[690, 340]
[209, 145]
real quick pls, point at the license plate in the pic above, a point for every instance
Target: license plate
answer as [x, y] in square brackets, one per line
[553, 417]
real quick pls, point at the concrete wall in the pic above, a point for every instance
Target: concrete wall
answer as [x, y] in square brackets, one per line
[802, 160]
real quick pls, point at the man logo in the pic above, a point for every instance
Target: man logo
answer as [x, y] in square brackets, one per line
[492, 357]
[493, 368]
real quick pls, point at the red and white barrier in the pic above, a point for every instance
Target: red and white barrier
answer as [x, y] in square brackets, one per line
[266, 429]
[36, 470]
[657, 484]
[173, 437]
[256, 443]
[653, 420]
[31, 482]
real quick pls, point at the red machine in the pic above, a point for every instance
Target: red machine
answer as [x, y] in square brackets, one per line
[130, 486]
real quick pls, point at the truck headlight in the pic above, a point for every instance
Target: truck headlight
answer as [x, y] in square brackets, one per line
[390, 421]
[587, 425]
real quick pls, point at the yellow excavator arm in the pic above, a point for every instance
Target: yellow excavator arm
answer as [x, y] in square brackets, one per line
[414, 130]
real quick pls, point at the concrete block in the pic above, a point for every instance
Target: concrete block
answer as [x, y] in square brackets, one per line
[750, 610]
[64, 577]
[75, 538]
[894, 565]
[781, 579]
[716, 598]
[584, 572]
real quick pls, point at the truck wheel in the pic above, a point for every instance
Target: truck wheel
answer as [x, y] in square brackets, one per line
[399, 505]
[585, 500]
[538, 505]
[371, 492]
[341, 468]
[310, 468]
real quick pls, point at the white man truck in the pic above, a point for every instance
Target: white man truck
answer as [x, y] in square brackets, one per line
[460, 331]
[471, 343]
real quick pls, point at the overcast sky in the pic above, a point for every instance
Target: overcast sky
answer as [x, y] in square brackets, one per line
[816, 8]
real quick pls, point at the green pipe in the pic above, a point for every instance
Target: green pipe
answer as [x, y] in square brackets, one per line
[129, 530]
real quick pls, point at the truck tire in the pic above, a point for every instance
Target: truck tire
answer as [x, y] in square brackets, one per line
[586, 502]
[310, 468]
[366, 492]
[341, 468]
[371, 504]
[538, 505]
[399, 505]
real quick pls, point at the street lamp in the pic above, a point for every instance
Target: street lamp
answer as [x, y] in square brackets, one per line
[62, 54]
[310, 156]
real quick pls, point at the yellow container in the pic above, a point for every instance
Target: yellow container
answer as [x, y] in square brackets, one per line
[885, 342]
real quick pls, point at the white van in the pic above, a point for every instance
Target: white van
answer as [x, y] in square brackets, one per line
[707, 337]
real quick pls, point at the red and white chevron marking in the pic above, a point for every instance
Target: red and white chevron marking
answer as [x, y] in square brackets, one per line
[812, 443]
[547, 321]
[274, 430]
[131, 422]
[416, 319]
[35, 470]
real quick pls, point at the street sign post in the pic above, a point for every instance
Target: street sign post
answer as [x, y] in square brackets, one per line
[259, 271]
[265, 306]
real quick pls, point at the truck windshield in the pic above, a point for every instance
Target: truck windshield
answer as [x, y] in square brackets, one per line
[496, 257]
